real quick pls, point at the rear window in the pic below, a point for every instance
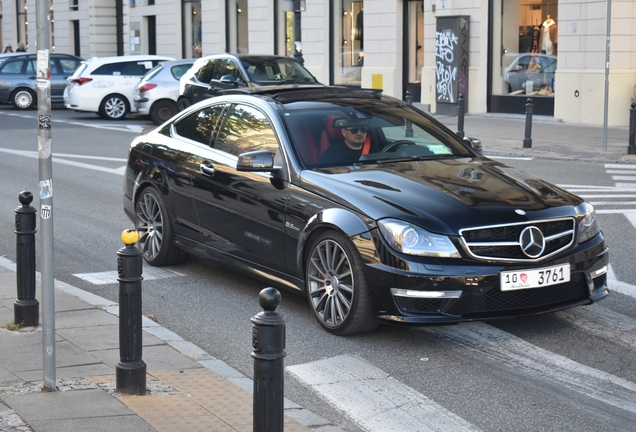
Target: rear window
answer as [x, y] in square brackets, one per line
[78, 72]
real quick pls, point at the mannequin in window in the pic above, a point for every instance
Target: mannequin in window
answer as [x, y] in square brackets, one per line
[549, 37]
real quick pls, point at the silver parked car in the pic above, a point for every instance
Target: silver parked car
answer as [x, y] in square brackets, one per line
[157, 92]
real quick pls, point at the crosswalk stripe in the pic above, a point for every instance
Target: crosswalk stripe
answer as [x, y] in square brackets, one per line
[624, 178]
[375, 400]
[603, 323]
[518, 355]
[621, 166]
[110, 277]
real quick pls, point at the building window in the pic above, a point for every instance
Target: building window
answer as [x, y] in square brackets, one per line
[348, 43]
[527, 63]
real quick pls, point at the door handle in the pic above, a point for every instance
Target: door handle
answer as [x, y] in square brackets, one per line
[206, 168]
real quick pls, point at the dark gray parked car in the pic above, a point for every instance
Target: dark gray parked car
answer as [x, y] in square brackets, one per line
[211, 74]
[18, 78]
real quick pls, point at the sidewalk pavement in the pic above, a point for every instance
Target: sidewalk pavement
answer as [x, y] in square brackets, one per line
[187, 389]
[503, 135]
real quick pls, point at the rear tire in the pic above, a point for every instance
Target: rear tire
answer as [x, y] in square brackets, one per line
[156, 239]
[114, 107]
[23, 99]
[337, 287]
[162, 110]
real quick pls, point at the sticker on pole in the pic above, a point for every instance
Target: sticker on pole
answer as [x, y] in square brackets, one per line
[45, 212]
[44, 122]
[46, 189]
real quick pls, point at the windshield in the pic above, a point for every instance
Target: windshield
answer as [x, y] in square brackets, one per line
[370, 133]
[274, 71]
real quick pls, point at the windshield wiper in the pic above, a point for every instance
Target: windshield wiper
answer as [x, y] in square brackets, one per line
[412, 158]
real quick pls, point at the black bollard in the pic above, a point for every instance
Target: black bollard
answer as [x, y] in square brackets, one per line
[26, 309]
[131, 370]
[268, 344]
[631, 147]
[527, 141]
[460, 116]
[407, 98]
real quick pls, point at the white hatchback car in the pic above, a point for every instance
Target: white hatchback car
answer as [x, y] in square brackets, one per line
[105, 84]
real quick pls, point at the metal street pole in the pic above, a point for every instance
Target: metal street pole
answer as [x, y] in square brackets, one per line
[608, 26]
[46, 194]
[298, 52]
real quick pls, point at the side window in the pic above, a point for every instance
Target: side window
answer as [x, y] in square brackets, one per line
[199, 126]
[205, 73]
[179, 70]
[225, 67]
[109, 69]
[246, 129]
[12, 67]
[137, 68]
[31, 67]
[69, 65]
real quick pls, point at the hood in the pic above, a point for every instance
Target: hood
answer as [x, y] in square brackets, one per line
[442, 195]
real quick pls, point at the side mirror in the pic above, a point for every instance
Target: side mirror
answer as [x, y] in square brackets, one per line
[228, 79]
[256, 161]
[475, 143]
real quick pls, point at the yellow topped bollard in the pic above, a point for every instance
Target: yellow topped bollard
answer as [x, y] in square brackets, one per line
[131, 370]
[129, 237]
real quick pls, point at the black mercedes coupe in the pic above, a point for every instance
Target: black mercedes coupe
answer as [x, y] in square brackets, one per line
[369, 207]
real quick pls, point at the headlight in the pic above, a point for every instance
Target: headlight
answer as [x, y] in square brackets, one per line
[588, 227]
[413, 240]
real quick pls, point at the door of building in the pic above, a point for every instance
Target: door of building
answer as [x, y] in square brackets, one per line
[413, 48]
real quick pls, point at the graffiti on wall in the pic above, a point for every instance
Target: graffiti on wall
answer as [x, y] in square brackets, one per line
[445, 67]
[451, 62]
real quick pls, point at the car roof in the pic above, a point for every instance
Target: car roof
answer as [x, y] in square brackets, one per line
[305, 92]
[252, 57]
[116, 59]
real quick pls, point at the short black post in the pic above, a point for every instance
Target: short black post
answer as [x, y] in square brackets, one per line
[460, 116]
[26, 309]
[407, 98]
[268, 351]
[131, 370]
[527, 141]
[631, 147]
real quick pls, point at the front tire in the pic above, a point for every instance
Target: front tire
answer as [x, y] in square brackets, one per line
[162, 110]
[156, 239]
[337, 287]
[23, 99]
[183, 103]
[114, 107]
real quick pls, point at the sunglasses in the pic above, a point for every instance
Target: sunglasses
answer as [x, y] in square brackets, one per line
[355, 130]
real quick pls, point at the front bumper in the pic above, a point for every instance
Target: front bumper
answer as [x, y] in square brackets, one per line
[449, 292]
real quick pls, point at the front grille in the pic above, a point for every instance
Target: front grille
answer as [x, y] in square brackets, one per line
[418, 305]
[492, 299]
[502, 242]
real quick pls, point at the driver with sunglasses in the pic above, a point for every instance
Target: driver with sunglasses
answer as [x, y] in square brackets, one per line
[348, 150]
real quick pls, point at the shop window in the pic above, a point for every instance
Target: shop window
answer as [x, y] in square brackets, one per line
[348, 43]
[528, 34]
[192, 29]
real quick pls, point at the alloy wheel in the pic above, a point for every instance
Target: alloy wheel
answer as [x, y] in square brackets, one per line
[331, 283]
[115, 108]
[149, 226]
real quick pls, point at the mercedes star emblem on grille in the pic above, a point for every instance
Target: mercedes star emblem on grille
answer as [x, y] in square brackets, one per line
[532, 242]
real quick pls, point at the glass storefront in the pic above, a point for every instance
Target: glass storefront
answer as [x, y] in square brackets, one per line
[192, 29]
[348, 43]
[526, 62]
[413, 48]
[237, 27]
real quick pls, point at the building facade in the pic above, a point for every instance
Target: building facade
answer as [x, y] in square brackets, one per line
[496, 53]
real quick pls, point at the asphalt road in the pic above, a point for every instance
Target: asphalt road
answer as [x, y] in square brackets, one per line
[572, 370]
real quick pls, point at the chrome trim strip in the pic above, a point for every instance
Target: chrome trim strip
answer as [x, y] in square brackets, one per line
[399, 292]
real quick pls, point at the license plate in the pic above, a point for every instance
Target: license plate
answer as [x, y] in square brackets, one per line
[537, 278]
